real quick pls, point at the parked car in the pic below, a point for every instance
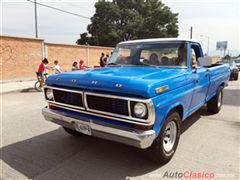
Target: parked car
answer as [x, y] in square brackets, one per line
[237, 61]
[141, 98]
[234, 69]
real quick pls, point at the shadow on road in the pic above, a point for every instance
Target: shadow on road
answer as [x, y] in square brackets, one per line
[187, 123]
[85, 157]
[28, 90]
[75, 157]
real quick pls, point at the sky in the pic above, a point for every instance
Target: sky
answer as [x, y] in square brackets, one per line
[216, 20]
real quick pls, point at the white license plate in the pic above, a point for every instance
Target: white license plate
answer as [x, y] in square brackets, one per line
[83, 128]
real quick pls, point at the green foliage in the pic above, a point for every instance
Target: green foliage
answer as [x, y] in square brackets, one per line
[127, 20]
[227, 57]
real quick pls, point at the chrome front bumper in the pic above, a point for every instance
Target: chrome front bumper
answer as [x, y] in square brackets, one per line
[137, 138]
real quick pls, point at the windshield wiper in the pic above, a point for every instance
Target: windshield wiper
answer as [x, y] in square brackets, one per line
[113, 64]
[144, 64]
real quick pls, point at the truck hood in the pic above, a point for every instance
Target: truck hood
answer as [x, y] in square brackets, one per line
[131, 80]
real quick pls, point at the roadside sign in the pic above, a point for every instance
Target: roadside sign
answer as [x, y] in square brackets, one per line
[221, 45]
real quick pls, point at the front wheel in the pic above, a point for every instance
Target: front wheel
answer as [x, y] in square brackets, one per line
[37, 86]
[165, 145]
[214, 105]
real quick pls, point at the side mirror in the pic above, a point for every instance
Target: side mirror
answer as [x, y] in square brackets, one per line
[205, 61]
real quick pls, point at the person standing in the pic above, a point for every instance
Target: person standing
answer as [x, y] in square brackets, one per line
[102, 60]
[106, 59]
[56, 67]
[75, 66]
[82, 66]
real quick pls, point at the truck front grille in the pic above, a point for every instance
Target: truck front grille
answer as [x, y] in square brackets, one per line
[106, 104]
[69, 98]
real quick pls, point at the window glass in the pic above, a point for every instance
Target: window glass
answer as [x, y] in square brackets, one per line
[161, 54]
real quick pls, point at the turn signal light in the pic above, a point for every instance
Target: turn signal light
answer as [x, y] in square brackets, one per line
[52, 107]
[142, 127]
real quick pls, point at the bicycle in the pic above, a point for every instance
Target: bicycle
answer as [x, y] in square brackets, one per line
[37, 85]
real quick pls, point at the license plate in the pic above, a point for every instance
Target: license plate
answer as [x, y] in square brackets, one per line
[83, 128]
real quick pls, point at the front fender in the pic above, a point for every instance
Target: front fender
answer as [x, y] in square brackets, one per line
[161, 115]
[166, 102]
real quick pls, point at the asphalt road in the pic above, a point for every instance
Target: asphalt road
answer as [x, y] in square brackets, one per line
[36, 149]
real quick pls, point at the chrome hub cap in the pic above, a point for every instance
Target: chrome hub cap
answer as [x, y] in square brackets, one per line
[169, 136]
[219, 99]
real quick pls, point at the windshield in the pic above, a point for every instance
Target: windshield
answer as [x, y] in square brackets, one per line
[161, 54]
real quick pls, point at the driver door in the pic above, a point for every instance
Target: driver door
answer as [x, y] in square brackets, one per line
[200, 79]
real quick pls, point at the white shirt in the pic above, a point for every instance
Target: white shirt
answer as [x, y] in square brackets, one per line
[57, 69]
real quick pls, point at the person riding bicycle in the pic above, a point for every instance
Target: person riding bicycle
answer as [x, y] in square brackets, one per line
[41, 69]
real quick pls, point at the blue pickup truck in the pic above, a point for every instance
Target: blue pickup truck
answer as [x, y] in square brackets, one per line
[142, 96]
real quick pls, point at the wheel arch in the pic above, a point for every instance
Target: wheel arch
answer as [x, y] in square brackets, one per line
[179, 109]
[222, 84]
[174, 107]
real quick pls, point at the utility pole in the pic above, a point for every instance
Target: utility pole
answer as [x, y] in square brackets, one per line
[191, 30]
[36, 25]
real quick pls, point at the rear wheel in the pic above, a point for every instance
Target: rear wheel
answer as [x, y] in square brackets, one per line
[165, 145]
[236, 77]
[214, 105]
[72, 132]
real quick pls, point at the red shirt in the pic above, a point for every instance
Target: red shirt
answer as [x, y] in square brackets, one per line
[83, 67]
[41, 68]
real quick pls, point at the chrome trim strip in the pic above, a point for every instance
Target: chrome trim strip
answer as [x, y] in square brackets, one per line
[105, 116]
[62, 89]
[138, 138]
[68, 105]
[118, 97]
[129, 109]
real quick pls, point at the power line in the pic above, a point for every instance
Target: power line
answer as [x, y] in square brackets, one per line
[70, 4]
[61, 10]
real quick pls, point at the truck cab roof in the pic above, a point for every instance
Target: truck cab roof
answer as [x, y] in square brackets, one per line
[159, 40]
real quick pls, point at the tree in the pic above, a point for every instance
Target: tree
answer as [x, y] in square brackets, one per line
[227, 57]
[127, 20]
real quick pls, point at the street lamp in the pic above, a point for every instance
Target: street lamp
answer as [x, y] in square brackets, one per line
[208, 42]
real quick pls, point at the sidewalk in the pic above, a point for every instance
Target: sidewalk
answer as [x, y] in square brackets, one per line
[16, 86]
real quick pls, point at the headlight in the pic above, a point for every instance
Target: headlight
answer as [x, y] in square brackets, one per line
[140, 110]
[49, 94]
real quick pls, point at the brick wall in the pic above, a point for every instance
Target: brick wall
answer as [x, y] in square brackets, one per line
[67, 54]
[20, 57]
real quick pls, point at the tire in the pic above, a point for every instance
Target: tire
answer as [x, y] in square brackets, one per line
[72, 132]
[214, 105]
[163, 149]
[37, 86]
